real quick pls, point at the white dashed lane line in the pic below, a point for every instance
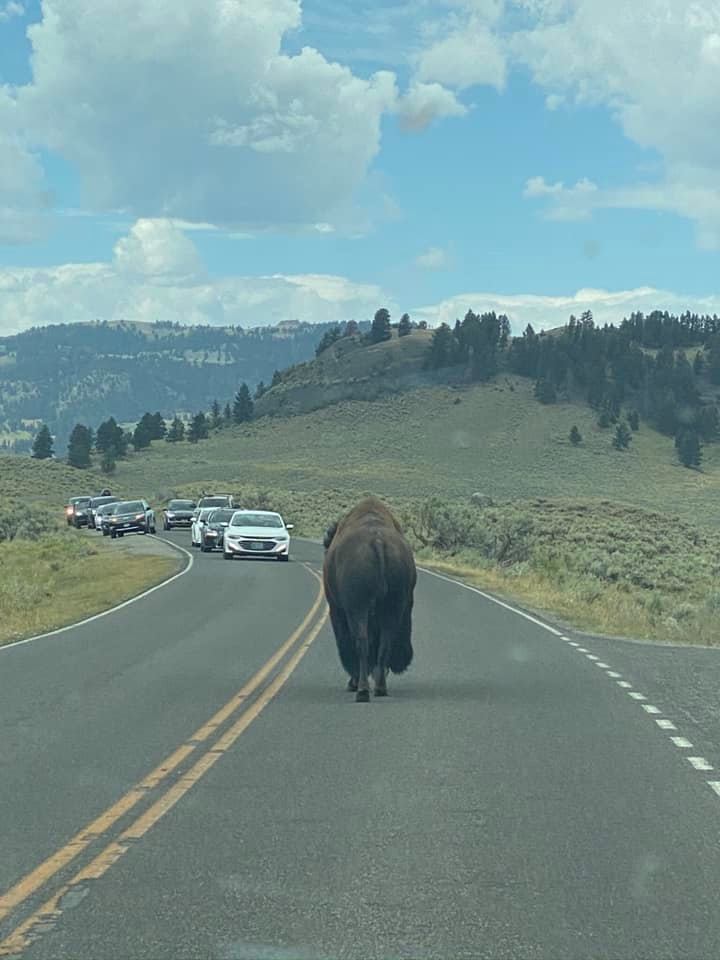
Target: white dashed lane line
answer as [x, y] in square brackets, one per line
[699, 763]
[682, 743]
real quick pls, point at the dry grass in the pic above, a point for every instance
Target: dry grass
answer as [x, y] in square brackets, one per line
[63, 578]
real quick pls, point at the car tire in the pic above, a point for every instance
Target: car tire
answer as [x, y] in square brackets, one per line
[106, 533]
[284, 557]
[113, 534]
[166, 526]
[153, 529]
[227, 556]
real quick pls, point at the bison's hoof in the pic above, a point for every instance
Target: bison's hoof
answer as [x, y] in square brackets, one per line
[380, 691]
[362, 696]
[352, 686]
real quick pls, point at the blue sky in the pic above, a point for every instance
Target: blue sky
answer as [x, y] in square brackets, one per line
[428, 215]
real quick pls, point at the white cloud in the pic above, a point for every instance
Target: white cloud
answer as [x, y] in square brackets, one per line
[191, 111]
[435, 258]
[425, 102]
[467, 58]
[656, 66]
[159, 252]
[546, 312]
[11, 9]
[23, 194]
[156, 274]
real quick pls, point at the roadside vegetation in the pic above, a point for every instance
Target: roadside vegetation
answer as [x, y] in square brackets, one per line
[597, 565]
[51, 575]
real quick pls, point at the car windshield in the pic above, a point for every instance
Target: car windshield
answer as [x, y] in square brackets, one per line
[98, 501]
[257, 520]
[214, 501]
[205, 513]
[130, 506]
[80, 501]
[106, 508]
[181, 505]
[220, 516]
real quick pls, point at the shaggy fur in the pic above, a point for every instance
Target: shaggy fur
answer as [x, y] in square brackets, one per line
[369, 577]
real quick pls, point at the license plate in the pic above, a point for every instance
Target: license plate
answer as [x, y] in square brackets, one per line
[257, 545]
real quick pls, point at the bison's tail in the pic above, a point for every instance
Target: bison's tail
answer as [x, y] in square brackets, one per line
[400, 657]
[401, 651]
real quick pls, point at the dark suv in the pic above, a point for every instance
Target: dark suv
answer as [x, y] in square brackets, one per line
[131, 516]
[179, 513]
[76, 511]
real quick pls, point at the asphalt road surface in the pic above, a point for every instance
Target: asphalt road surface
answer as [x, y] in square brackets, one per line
[187, 778]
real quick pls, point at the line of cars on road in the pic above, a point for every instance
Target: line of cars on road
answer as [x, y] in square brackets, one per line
[218, 523]
[110, 515]
[215, 522]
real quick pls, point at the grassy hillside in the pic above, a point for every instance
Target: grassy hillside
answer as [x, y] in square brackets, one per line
[350, 370]
[493, 438]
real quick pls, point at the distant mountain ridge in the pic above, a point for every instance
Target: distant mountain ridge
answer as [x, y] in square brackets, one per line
[69, 373]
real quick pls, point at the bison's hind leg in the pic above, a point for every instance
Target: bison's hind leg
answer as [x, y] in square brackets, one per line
[352, 684]
[380, 678]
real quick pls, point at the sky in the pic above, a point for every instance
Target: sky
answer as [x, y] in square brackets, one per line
[251, 161]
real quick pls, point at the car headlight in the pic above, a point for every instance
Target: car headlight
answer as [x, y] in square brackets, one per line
[170, 516]
[281, 537]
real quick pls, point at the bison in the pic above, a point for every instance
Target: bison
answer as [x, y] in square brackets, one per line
[369, 578]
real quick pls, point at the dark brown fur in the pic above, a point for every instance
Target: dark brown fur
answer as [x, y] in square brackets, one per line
[369, 577]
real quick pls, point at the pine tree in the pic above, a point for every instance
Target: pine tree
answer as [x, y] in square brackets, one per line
[243, 407]
[107, 464]
[176, 432]
[687, 444]
[698, 364]
[604, 419]
[441, 349]
[79, 447]
[380, 329]
[227, 413]
[545, 391]
[142, 435]
[622, 438]
[405, 326]
[42, 448]
[158, 426]
[215, 415]
[575, 436]
[199, 428]
[351, 329]
[260, 389]
[328, 338]
[111, 438]
[634, 420]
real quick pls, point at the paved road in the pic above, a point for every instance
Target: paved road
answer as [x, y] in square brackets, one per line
[511, 798]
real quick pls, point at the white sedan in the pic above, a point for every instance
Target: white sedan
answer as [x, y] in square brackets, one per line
[198, 524]
[257, 533]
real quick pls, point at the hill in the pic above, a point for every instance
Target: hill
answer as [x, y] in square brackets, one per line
[71, 373]
[437, 441]
[350, 370]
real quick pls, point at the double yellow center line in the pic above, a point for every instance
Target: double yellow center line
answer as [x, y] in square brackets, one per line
[26, 887]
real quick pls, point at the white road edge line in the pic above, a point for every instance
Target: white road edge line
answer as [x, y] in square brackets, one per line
[714, 785]
[649, 708]
[625, 684]
[682, 742]
[500, 603]
[666, 724]
[636, 696]
[119, 606]
[603, 666]
[614, 675]
[699, 763]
